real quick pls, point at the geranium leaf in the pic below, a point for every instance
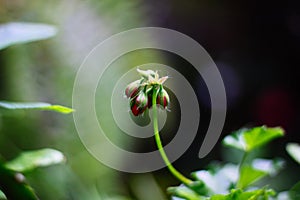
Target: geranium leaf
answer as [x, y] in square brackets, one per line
[23, 32]
[30, 160]
[249, 139]
[294, 151]
[34, 106]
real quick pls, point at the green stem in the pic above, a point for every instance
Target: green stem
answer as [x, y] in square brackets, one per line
[243, 160]
[242, 163]
[162, 152]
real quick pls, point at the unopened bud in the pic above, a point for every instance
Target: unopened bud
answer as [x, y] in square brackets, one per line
[163, 98]
[142, 99]
[136, 110]
[139, 103]
[140, 92]
[132, 89]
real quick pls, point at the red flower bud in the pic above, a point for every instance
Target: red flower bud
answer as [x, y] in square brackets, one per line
[163, 98]
[142, 99]
[132, 89]
[139, 103]
[135, 110]
[140, 92]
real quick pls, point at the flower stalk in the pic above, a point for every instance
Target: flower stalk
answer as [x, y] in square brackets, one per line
[162, 152]
[144, 94]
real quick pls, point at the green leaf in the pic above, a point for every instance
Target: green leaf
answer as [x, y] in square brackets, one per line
[218, 181]
[249, 139]
[271, 167]
[245, 195]
[23, 32]
[294, 192]
[14, 185]
[258, 169]
[248, 175]
[34, 106]
[185, 193]
[294, 151]
[117, 198]
[2, 195]
[200, 188]
[30, 160]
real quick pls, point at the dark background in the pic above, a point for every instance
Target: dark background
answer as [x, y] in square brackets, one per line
[256, 47]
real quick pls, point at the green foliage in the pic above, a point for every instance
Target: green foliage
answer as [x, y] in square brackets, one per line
[249, 139]
[239, 182]
[294, 192]
[14, 185]
[29, 160]
[185, 193]
[21, 32]
[12, 182]
[260, 194]
[248, 175]
[294, 151]
[34, 106]
[217, 180]
[2, 195]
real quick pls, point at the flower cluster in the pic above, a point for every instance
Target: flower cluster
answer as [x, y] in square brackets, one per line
[140, 92]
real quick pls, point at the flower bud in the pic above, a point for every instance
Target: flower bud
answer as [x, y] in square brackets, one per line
[136, 110]
[163, 98]
[142, 99]
[132, 89]
[140, 92]
[139, 103]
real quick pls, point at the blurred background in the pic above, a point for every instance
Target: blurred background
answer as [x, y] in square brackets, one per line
[255, 45]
